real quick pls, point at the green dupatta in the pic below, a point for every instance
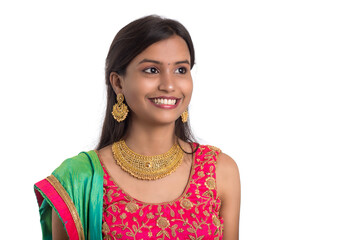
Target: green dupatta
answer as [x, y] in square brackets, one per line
[75, 192]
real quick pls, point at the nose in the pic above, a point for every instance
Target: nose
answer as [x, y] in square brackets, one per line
[166, 82]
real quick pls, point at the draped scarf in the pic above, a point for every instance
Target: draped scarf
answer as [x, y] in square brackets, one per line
[75, 192]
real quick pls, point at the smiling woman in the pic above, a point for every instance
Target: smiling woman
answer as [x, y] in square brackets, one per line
[148, 178]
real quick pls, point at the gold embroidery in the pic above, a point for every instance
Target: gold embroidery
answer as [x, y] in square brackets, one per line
[201, 174]
[186, 203]
[216, 221]
[209, 193]
[131, 207]
[69, 203]
[206, 213]
[162, 223]
[172, 213]
[105, 228]
[214, 148]
[173, 228]
[150, 215]
[210, 183]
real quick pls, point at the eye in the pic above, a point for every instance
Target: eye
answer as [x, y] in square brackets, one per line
[151, 70]
[181, 70]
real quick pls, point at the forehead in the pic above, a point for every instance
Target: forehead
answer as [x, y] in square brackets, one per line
[168, 51]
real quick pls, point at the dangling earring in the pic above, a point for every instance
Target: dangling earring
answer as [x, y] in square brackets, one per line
[120, 110]
[184, 116]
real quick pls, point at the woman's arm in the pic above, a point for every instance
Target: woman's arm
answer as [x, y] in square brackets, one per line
[58, 230]
[228, 185]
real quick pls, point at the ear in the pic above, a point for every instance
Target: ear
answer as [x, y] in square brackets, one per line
[116, 82]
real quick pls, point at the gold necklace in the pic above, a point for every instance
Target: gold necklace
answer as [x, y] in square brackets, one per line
[147, 167]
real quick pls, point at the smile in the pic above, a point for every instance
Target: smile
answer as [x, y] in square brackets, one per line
[166, 103]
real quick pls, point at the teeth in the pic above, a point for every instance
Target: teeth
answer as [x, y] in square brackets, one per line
[164, 101]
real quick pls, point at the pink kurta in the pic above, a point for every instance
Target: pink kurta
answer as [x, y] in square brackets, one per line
[194, 215]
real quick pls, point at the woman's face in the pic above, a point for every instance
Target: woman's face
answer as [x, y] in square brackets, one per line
[157, 85]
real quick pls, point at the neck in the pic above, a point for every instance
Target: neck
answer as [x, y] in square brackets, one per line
[150, 140]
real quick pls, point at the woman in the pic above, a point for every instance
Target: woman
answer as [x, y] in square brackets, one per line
[147, 179]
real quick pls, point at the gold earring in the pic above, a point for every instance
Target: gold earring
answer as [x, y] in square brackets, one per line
[120, 110]
[184, 116]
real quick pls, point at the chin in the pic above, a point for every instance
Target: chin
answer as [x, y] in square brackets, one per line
[165, 121]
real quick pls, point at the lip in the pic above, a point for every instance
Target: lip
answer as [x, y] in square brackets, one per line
[166, 106]
[165, 97]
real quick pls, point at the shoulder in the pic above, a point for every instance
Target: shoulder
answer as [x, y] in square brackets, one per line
[225, 164]
[82, 164]
[227, 175]
[76, 162]
[226, 169]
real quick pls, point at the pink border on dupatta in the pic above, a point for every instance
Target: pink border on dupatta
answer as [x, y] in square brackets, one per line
[63, 204]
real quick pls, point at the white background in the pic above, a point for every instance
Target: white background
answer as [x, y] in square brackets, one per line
[276, 86]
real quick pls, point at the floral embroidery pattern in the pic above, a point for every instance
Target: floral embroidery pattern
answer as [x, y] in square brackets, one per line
[195, 215]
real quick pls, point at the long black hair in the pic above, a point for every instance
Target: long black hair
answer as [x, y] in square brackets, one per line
[127, 44]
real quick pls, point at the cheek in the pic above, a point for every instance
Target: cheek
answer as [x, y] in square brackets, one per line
[187, 87]
[136, 91]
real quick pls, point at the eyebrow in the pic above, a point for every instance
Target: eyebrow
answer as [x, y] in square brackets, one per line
[184, 61]
[158, 62]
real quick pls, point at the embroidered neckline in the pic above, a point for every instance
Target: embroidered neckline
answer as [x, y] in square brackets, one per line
[182, 195]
